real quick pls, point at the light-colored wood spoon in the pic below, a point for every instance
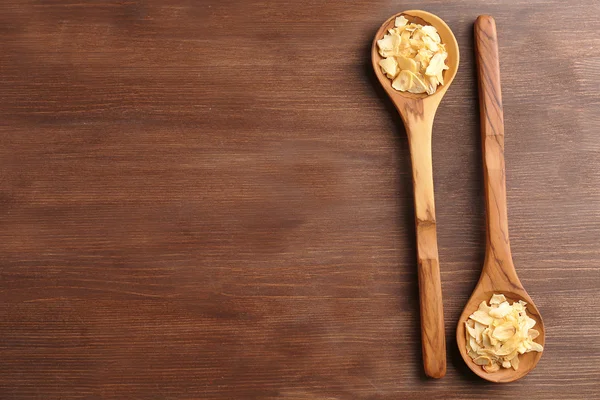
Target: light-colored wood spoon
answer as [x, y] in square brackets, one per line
[498, 275]
[417, 112]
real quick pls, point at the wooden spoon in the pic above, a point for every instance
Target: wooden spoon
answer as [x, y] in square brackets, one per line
[417, 112]
[498, 275]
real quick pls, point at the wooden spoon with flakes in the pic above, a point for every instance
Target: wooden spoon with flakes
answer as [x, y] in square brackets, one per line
[418, 111]
[498, 275]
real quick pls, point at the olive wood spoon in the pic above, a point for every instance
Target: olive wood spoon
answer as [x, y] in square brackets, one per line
[498, 275]
[417, 112]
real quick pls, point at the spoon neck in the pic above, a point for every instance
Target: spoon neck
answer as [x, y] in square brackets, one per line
[499, 266]
[498, 254]
[419, 130]
[417, 115]
[498, 242]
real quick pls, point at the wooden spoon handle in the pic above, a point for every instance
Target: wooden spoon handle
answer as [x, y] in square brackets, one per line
[492, 137]
[433, 339]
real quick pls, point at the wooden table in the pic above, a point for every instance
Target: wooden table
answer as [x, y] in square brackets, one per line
[212, 200]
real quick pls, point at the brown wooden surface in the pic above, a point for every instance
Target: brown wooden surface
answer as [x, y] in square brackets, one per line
[212, 200]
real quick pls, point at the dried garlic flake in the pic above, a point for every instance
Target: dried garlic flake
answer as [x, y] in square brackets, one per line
[416, 49]
[499, 332]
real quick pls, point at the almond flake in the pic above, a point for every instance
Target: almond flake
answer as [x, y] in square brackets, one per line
[500, 331]
[416, 49]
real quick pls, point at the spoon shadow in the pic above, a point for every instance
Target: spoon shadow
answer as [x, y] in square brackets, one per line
[405, 190]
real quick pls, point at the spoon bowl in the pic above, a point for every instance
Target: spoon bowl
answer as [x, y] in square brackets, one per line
[498, 275]
[513, 294]
[448, 39]
[417, 112]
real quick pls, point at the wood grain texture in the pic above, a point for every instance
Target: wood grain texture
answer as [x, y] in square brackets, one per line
[418, 112]
[213, 200]
[498, 275]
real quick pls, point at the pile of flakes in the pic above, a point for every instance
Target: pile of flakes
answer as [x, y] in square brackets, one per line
[414, 57]
[498, 333]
